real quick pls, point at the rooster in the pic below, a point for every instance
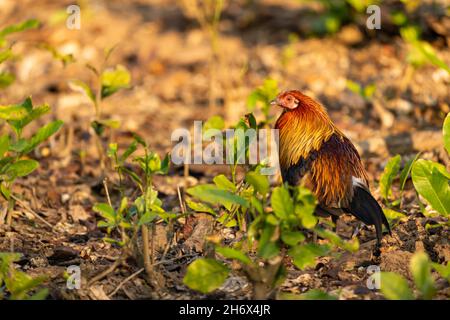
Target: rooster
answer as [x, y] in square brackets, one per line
[314, 152]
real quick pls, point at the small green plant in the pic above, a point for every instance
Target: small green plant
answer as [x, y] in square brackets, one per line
[420, 52]
[7, 78]
[261, 98]
[366, 92]
[396, 287]
[17, 285]
[336, 13]
[431, 179]
[272, 236]
[14, 147]
[108, 81]
[141, 212]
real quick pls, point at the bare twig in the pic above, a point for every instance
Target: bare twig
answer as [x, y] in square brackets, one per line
[107, 271]
[125, 281]
[29, 210]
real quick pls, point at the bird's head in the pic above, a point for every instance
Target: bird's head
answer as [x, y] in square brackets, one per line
[288, 99]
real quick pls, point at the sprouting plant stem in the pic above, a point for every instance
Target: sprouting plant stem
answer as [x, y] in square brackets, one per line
[11, 204]
[146, 251]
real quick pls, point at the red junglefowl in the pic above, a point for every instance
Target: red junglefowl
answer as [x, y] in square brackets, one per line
[314, 152]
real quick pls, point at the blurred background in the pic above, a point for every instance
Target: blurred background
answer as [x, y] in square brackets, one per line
[388, 88]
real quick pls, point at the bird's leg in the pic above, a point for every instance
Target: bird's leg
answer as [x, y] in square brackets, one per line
[334, 219]
[357, 229]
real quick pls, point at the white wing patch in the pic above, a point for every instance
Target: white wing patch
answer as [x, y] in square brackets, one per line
[358, 182]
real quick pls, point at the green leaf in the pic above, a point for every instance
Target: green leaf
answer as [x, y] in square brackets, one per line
[292, 238]
[200, 207]
[21, 168]
[305, 255]
[431, 182]
[443, 270]
[6, 79]
[421, 270]
[222, 182]
[4, 144]
[213, 195]
[231, 253]
[13, 112]
[389, 173]
[392, 215]
[205, 275]
[147, 218]
[406, 171]
[33, 114]
[80, 86]
[258, 181]
[113, 80]
[106, 211]
[446, 132]
[282, 203]
[305, 207]
[395, 287]
[43, 134]
[29, 24]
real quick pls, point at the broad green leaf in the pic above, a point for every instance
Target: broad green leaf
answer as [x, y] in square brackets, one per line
[231, 253]
[16, 112]
[105, 211]
[222, 182]
[305, 207]
[395, 287]
[205, 275]
[110, 123]
[446, 132]
[147, 218]
[213, 195]
[200, 207]
[392, 215]
[282, 203]
[43, 134]
[305, 255]
[406, 171]
[292, 238]
[113, 80]
[388, 176]
[80, 86]
[268, 247]
[4, 144]
[421, 270]
[431, 181]
[33, 114]
[129, 151]
[354, 87]
[6, 79]
[29, 24]
[443, 270]
[22, 168]
[258, 181]
[351, 245]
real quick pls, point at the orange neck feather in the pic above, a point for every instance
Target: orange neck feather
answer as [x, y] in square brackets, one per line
[303, 130]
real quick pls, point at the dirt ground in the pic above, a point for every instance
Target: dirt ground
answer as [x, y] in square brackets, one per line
[168, 56]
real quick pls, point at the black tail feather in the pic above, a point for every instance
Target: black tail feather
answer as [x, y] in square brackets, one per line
[366, 208]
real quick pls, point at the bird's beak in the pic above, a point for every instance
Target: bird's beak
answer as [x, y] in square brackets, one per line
[274, 103]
